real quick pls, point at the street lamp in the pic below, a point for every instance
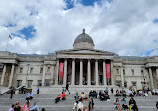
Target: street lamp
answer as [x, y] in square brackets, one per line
[1, 68]
[27, 73]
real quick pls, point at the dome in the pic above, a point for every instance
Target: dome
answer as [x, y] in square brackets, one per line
[83, 41]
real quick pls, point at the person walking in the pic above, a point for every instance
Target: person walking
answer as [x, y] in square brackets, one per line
[112, 90]
[11, 92]
[67, 86]
[38, 91]
[91, 104]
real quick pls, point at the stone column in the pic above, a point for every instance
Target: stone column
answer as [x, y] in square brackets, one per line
[65, 72]
[104, 72]
[52, 75]
[11, 75]
[156, 72]
[89, 72]
[57, 72]
[73, 72]
[151, 78]
[81, 72]
[122, 78]
[112, 74]
[3, 74]
[96, 71]
[43, 76]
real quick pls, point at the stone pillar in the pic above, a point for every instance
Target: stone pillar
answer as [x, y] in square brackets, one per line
[43, 76]
[151, 78]
[122, 78]
[112, 74]
[65, 72]
[156, 72]
[3, 74]
[89, 72]
[81, 72]
[104, 72]
[52, 75]
[96, 71]
[57, 72]
[73, 72]
[11, 75]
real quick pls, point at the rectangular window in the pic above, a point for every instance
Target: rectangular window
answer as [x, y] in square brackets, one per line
[123, 71]
[19, 83]
[134, 83]
[132, 70]
[39, 82]
[41, 70]
[29, 83]
[125, 84]
[48, 69]
[47, 82]
[118, 83]
[1, 71]
[21, 70]
[117, 71]
[31, 70]
[142, 72]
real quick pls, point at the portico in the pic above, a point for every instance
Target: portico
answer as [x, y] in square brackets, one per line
[84, 72]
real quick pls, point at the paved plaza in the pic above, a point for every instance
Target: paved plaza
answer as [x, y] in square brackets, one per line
[48, 102]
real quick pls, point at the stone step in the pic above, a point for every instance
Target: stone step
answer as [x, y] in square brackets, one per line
[47, 101]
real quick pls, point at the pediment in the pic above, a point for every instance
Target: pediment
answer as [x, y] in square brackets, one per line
[85, 51]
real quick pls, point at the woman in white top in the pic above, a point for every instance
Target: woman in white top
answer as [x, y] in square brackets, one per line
[117, 104]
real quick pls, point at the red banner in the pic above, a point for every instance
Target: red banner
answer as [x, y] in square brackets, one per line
[108, 74]
[61, 69]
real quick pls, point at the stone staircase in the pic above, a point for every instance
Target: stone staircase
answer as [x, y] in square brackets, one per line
[47, 101]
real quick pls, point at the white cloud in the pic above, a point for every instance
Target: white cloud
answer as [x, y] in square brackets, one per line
[124, 27]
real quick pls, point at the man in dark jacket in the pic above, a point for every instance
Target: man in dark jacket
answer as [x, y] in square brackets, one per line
[11, 92]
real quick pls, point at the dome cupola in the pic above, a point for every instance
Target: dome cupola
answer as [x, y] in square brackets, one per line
[83, 41]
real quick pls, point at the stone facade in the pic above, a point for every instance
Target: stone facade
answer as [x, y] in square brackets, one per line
[84, 67]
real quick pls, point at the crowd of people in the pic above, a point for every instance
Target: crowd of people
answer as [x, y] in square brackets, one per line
[27, 106]
[123, 104]
[80, 98]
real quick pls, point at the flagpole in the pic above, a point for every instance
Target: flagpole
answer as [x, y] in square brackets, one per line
[7, 44]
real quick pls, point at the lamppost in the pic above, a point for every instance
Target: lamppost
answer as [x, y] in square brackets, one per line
[144, 80]
[1, 68]
[27, 73]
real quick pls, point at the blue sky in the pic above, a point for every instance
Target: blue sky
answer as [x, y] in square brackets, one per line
[43, 27]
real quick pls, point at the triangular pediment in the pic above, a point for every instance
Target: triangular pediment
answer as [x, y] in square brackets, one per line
[85, 51]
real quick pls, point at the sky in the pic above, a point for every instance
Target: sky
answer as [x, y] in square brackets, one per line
[126, 27]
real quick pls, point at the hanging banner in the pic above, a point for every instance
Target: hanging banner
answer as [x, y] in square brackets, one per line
[108, 74]
[61, 69]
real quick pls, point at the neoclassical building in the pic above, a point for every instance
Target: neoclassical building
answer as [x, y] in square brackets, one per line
[84, 67]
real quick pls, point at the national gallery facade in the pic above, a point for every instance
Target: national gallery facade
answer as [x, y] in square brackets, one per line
[82, 67]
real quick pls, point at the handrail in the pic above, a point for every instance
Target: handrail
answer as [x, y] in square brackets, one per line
[11, 89]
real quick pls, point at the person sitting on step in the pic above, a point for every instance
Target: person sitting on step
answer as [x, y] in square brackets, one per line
[63, 95]
[117, 93]
[102, 95]
[132, 104]
[29, 96]
[117, 104]
[57, 99]
[124, 104]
